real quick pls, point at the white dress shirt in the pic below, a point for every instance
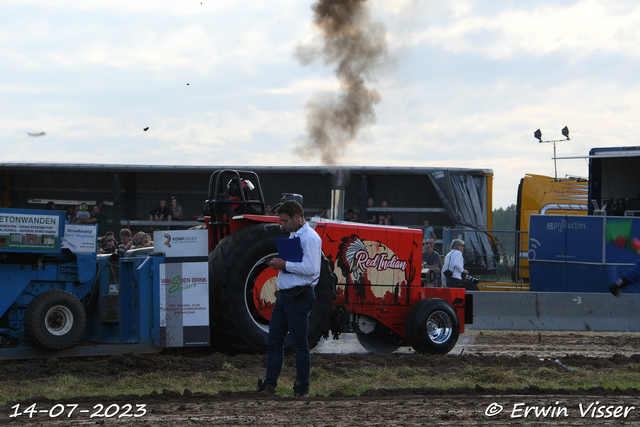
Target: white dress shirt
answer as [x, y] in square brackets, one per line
[454, 262]
[307, 271]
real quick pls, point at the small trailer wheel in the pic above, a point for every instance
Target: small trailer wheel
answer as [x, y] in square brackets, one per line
[433, 326]
[54, 320]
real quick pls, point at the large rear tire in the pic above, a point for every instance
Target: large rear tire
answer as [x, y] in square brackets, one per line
[433, 326]
[54, 320]
[243, 286]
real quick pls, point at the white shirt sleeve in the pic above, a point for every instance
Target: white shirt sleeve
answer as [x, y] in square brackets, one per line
[311, 250]
[308, 270]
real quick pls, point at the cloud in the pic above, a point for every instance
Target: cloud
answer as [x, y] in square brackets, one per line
[580, 29]
[470, 83]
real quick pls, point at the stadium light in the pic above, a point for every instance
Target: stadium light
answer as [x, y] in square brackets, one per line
[565, 132]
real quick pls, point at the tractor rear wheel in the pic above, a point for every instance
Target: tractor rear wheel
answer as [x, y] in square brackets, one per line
[433, 326]
[243, 290]
[54, 320]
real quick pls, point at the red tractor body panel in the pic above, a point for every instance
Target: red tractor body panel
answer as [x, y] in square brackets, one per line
[379, 272]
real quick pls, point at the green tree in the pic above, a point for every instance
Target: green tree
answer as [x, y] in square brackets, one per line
[504, 219]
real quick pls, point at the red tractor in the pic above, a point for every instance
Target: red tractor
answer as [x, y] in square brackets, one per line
[371, 281]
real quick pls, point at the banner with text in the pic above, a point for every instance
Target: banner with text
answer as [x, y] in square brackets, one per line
[23, 230]
[180, 244]
[81, 238]
[184, 304]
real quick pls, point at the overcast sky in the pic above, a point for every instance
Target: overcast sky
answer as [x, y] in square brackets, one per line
[462, 83]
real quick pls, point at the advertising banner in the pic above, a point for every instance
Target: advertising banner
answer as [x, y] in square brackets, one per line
[547, 238]
[566, 238]
[24, 230]
[184, 304]
[584, 239]
[80, 238]
[182, 244]
[622, 240]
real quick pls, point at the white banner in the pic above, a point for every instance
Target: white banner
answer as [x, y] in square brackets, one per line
[182, 243]
[80, 238]
[184, 303]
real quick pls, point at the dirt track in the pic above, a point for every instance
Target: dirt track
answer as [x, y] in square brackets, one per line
[407, 407]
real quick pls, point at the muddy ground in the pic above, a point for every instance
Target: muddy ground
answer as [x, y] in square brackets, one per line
[406, 407]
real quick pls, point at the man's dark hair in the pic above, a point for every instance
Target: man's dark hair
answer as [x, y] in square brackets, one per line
[291, 207]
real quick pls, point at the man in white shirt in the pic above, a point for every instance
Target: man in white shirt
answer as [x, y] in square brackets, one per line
[454, 263]
[296, 297]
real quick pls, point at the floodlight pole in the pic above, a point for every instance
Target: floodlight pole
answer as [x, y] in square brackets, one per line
[555, 165]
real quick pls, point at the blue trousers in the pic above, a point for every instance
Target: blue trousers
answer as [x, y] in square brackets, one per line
[289, 315]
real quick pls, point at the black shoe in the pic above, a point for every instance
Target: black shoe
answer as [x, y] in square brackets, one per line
[267, 388]
[300, 390]
[615, 289]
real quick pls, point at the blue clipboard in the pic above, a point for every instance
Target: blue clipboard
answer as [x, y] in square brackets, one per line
[290, 249]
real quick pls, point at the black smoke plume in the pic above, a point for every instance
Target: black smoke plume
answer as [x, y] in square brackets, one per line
[356, 47]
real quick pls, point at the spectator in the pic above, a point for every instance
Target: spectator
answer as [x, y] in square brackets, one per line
[176, 210]
[431, 258]
[385, 217]
[125, 236]
[142, 240]
[428, 231]
[71, 215]
[350, 213]
[111, 245]
[139, 240]
[100, 203]
[160, 212]
[82, 215]
[100, 219]
[102, 242]
[453, 267]
[322, 213]
[51, 206]
[356, 217]
[372, 216]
